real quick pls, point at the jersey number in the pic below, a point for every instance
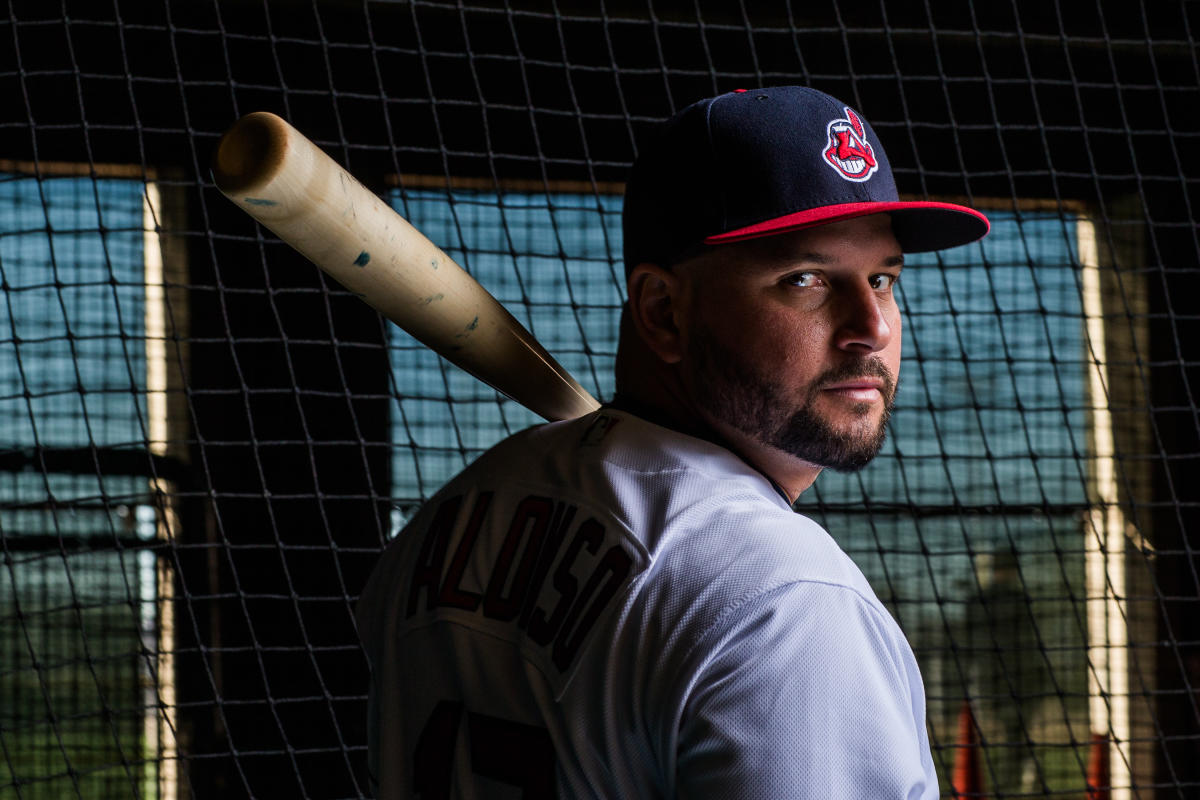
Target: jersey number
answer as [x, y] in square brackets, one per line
[506, 751]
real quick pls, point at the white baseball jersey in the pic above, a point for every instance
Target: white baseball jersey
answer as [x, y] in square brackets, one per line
[607, 608]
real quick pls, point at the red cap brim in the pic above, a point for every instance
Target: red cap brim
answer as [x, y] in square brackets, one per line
[919, 226]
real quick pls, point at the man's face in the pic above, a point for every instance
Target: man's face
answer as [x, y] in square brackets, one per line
[794, 340]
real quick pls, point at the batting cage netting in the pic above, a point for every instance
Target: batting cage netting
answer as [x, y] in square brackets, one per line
[204, 444]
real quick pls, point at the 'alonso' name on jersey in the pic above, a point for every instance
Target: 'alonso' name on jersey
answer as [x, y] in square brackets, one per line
[545, 570]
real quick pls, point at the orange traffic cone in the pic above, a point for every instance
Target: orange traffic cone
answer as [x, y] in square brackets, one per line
[967, 780]
[1099, 780]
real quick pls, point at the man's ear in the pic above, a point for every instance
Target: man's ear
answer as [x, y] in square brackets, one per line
[655, 308]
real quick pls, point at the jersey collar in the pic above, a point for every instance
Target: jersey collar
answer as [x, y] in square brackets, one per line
[657, 417]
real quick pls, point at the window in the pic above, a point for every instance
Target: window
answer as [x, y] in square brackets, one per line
[554, 262]
[972, 523]
[87, 677]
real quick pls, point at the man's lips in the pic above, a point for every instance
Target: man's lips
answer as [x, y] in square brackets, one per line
[861, 389]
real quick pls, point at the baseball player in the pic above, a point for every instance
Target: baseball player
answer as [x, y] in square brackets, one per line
[625, 605]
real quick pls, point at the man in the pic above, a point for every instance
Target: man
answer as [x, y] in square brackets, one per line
[625, 605]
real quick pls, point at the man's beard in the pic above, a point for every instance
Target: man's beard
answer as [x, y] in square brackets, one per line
[733, 393]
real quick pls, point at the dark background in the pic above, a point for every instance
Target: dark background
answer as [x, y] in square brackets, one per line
[283, 491]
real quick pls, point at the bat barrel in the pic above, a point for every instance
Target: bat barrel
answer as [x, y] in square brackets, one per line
[279, 177]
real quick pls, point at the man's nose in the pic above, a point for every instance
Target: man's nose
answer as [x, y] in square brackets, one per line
[865, 324]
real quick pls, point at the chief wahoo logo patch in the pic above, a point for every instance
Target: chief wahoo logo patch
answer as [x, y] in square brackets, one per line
[849, 152]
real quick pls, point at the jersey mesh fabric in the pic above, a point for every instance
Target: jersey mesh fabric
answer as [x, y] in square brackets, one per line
[743, 656]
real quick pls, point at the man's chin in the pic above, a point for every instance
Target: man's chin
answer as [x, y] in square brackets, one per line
[840, 445]
[847, 458]
[837, 411]
[857, 423]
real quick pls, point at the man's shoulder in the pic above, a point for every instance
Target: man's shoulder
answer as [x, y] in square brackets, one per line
[698, 508]
[713, 529]
[737, 546]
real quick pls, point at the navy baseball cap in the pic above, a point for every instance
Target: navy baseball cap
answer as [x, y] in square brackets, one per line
[759, 162]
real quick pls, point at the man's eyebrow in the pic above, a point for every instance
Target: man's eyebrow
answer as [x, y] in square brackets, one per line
[825, 259]
[811, 258]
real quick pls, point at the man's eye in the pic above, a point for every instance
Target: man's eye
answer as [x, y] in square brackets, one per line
[883, 281]
[803, 279]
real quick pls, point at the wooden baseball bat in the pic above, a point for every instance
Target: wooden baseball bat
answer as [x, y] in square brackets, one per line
[292, 187]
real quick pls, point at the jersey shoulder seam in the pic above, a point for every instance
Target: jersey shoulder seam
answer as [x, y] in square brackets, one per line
[762, 592]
